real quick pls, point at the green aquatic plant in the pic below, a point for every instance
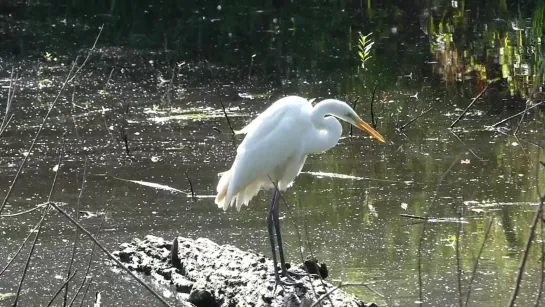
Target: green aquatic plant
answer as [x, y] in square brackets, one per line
[364, 48]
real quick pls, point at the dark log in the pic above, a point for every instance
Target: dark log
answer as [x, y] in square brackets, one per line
[207, 274]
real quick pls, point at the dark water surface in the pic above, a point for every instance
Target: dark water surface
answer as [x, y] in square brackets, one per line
[347, 203]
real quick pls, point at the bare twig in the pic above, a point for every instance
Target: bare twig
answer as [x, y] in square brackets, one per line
[27, 265]
[110, 255]
[476, 261]
[458, 267]
[354, 108]
[469, 106]
[11, 93]
[64, 284]
[522, 265]
[193, 196]
[374, 123]
[29, 152]
[76, 234]
[470, 150]
[25, 211]
[518, 114]
[225, 114]
[88, 269]
[542, 269]
[4, 128]
[88, 54]
[520, 121]
[86, 291]
[412, 120]
[19, 250]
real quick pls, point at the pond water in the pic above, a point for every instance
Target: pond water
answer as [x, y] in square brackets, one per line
[347, 207]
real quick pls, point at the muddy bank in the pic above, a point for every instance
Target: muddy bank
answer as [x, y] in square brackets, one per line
[208, 274]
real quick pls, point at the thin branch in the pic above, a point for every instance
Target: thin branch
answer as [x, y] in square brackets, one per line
[19, 250]
[458, 267]
[520, 121]
[476, 261]
[86, 291]
[469, 106]
[11, 91]
[76, 234]
[374, 123]
[3, 129]
[27, 265]
[470, 150]
[64, 284]
[88, 54]
[110, 255]
[226, 116]
[542, 269]
[24, 212]
[526, 252]
[193, 196]
[412, 120]
[25, 158]
[88, 269]
[518, 114]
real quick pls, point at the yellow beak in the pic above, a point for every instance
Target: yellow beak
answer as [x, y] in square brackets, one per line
[367, 128]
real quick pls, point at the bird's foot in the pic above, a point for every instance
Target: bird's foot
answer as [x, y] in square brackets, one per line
[295, 274]
[283, 283]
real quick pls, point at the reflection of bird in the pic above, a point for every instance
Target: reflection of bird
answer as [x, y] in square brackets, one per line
[274, 151]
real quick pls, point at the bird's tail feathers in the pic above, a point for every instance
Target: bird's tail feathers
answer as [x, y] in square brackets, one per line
[223, 186]
[226, 198]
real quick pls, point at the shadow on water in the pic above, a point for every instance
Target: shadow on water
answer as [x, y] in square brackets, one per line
[146, 107]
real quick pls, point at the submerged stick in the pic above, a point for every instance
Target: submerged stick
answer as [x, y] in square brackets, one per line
[412, 120]
[518, 114]
[476, 262]
[469, 106]
[193, 197]
[110, 255]
[537, 215]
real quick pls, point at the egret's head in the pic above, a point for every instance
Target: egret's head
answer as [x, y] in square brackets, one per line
[343, 111]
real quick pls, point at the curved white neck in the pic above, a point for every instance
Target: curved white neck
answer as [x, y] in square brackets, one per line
[327, 130]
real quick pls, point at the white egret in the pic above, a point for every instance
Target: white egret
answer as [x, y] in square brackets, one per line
[274, 151]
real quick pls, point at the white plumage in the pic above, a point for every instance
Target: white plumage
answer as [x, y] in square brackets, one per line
[277, 143]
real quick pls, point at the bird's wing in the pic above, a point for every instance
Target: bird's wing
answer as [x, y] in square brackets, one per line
[272, 113]
[267, 147]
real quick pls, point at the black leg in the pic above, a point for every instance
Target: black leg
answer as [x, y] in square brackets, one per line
[279, 235]
[270, 226]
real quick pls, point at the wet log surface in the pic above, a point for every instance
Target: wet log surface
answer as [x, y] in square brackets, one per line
[206, 274]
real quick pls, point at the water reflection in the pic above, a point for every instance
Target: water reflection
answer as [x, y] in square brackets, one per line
[349, 217]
